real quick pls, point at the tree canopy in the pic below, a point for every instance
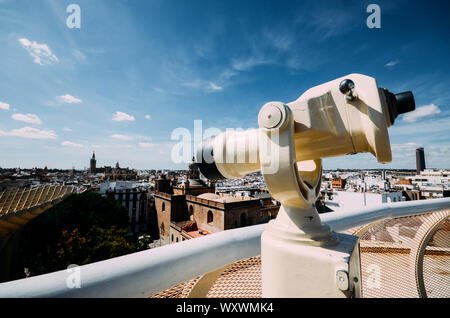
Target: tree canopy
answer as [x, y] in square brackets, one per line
[82, 229]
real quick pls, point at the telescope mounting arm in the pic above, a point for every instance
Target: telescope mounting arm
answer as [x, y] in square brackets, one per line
[295, 185]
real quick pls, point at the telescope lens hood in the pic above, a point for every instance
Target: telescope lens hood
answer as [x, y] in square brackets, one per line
[205, 161]
[405, 102]
[399, 103]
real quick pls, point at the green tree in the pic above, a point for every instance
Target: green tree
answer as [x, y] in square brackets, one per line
[109, 242]
[143, 242]
[82, 229]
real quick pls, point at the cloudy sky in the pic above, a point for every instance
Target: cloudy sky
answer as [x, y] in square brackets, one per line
[137, 70]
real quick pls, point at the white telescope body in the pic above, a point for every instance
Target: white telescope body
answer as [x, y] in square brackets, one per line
[327, 123]
[301, 257]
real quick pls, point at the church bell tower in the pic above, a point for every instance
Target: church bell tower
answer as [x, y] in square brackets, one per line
[93, 165]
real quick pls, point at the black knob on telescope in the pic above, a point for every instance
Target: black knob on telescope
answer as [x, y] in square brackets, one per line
[205, 161]
[346, 86]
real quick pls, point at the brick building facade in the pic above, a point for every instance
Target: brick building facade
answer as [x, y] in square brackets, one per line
[194, 202]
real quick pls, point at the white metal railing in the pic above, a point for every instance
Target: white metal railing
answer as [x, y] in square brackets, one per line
[145, 273]
[344, 220]
[148, 272]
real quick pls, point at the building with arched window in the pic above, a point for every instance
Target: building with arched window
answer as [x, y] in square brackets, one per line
[210, 217]
[211, 212]
[178, 207]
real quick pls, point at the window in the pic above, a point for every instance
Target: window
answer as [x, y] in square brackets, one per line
[210, 217]
[172, 238]
[163, 206]
[243, 219]
[191, 212]
[162, 228]
[177, 239]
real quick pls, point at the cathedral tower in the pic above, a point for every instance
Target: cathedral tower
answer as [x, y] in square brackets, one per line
[93, 165]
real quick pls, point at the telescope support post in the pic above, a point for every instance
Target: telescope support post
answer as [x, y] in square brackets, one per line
[301, 257]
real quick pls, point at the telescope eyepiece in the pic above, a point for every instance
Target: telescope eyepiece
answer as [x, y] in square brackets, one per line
[405, 102]
[399, 103]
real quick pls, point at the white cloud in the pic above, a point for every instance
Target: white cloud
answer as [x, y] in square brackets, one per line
[121, 137]
[147, 117]
[30, 132]
[71, 144]
[420, 112]
[144, 138]
[194, 84]
[28, 118]
[204, 85]
[145, 144]
[227, 74]
[245, 64]
[280, 40]
[421, 129]
[436, 155]
[407, 149]
[4, 106]
[392, 63]
[40, 52]
[119, 116]
[67, 129]
[69, 99]
[215, 87]
[79, 56]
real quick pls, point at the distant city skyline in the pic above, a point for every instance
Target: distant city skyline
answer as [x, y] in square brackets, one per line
[137, 70]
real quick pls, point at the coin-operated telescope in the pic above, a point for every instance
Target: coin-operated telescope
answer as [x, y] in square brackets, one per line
[301, 256]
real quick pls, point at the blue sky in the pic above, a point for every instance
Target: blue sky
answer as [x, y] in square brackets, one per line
[136, 70]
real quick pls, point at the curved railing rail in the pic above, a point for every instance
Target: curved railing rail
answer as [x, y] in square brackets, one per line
[146, 273]
[344, 220]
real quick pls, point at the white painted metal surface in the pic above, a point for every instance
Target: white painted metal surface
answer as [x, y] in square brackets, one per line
[344, 220]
